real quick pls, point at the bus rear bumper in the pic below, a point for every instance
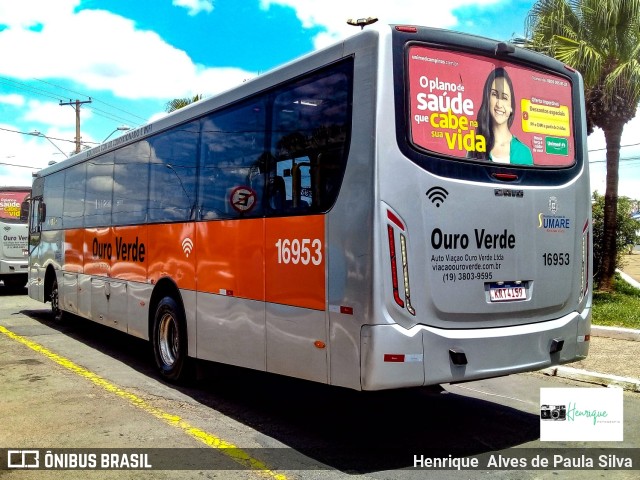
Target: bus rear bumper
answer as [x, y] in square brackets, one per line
[393, 357]
[9, 267]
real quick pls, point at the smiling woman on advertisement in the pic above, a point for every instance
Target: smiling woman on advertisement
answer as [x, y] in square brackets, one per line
[495, 118]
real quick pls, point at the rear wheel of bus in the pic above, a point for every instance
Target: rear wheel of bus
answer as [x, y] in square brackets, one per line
[169, 339]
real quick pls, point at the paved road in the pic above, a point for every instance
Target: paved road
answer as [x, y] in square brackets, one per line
[80, 385]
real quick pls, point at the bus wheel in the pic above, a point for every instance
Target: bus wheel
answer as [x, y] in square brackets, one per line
[56, 312]
[170, 340]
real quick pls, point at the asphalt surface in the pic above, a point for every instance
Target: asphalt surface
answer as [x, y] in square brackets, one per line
[614, 352]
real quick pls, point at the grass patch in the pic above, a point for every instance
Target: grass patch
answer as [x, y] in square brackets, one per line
[618, 309]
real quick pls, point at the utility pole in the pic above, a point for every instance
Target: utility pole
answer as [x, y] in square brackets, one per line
[76, 104]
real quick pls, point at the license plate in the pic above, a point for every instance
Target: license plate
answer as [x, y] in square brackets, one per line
[507, 292]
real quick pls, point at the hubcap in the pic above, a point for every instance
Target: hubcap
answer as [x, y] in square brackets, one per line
[168, 339]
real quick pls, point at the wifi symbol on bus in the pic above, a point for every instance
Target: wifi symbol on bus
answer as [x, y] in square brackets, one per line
[437, 195]
[187, 246]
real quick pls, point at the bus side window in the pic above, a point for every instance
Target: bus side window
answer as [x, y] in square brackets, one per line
[310, 139]
[99, 188]
[232, 168]
[289, 190]
[37, 210]
[37, 214]
[276, 194]
[173, 174]
[73, 198]
[131, 187]
[53, 192]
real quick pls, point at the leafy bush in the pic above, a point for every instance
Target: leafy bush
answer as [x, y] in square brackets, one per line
[626, 235]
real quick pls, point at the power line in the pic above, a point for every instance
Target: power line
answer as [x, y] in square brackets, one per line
[98, 101]
[111, 116]
[621, 146]
[626, 159]
[21, 166]
[60, 98]
[122, 110]
[29, 88]
[61, 87]
[42, 135]
[31, 134]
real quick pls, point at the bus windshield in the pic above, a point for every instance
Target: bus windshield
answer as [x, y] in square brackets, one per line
[486, 109]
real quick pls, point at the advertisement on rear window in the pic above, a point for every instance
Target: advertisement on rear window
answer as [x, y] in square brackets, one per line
[10, 204]
[473, 107]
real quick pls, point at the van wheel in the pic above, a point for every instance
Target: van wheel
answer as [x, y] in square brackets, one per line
[56, 312]
[170, 340]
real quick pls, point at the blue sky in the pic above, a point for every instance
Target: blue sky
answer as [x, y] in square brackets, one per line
[131, 57]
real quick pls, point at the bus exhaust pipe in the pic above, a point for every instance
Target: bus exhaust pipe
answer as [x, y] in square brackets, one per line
[458, 357]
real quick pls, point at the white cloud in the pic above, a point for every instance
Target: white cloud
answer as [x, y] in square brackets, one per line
[333, 14]
[131, 63]
[115, 56]
[30, 13]
[24, 154]
[53, 114]
[195, 6]
[12, 99]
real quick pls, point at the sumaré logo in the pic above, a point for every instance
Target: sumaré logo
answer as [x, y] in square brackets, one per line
[553, 222]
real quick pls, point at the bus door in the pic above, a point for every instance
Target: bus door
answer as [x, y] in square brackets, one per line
[37, 216]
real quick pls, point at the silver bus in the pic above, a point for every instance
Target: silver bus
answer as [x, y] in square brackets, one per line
[408, 207]
[13, 236]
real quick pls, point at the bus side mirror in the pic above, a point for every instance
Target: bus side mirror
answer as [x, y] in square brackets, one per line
[24, 211]
[42, 212]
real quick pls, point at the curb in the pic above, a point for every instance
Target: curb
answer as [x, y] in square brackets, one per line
[616, 332]
[627, 278]
[627, 383]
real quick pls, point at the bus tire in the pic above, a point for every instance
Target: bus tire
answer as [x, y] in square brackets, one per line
[56, 312]
[169, 338]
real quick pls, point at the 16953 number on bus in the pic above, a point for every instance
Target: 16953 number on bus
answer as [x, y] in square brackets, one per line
[555, 259]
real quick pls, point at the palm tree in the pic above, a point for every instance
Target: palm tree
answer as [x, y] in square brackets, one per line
[178, 103]
[600, 39]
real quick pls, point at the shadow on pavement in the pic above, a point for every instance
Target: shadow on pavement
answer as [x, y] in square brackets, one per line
[356, 432]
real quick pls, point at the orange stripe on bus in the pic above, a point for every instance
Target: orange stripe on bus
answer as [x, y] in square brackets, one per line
[279, 260]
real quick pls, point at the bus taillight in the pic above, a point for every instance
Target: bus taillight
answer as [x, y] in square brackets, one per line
[394, 266]
[405, 274]
[391, 227]
[584, 280]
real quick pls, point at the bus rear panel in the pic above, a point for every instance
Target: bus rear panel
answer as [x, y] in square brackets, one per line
[14, 235]
[484, 257]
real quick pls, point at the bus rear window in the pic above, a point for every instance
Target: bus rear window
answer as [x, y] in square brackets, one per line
[485, 109]
[10, 205]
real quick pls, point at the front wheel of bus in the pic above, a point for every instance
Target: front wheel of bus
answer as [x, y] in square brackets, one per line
[170, 340]
[56, 312]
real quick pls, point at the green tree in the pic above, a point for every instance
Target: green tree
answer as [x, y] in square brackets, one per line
[626, 234]
[600, 39]
[178, 103]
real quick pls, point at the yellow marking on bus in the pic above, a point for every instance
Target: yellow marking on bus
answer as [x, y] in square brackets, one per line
[227, 448]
